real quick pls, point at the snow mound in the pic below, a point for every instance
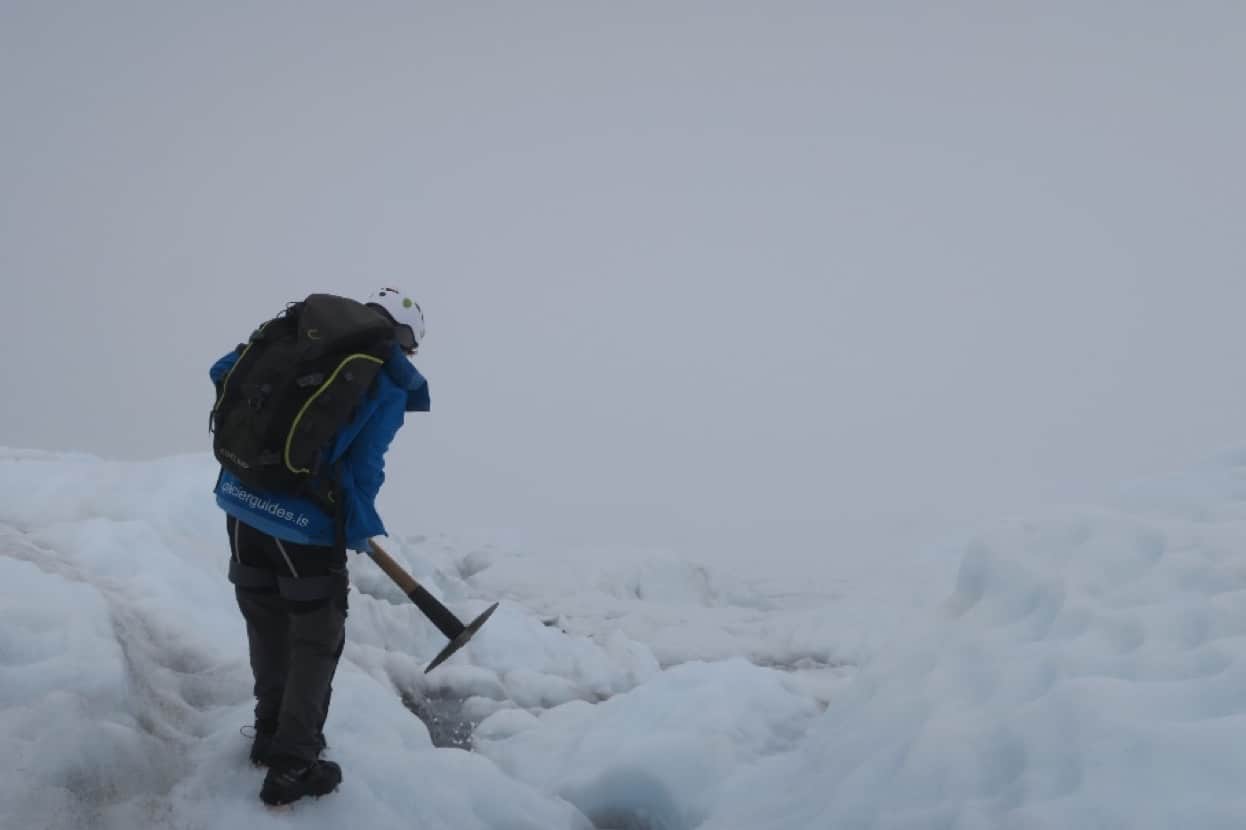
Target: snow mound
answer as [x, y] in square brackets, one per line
[659, 755]
[1088, 672]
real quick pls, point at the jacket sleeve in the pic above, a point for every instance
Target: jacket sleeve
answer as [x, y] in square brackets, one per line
[409, 379]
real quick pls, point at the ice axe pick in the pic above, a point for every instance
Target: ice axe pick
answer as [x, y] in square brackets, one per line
[438, 614]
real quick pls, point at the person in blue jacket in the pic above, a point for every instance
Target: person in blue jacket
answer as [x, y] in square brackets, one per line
[290, 575]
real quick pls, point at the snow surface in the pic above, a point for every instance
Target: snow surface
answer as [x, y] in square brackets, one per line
[1082, 669]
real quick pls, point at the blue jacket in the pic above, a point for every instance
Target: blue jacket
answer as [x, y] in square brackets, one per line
[398, 388]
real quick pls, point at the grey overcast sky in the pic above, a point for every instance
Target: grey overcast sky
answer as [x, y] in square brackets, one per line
[691, 270]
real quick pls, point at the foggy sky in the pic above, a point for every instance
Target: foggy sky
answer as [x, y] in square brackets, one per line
[691, 271]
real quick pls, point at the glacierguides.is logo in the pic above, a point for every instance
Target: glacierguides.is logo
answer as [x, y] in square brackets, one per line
[263, 505]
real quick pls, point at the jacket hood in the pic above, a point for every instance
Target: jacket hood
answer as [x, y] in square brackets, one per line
[402, 372]
[408, 378]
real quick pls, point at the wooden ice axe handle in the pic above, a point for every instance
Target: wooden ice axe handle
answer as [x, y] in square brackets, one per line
[438, 614]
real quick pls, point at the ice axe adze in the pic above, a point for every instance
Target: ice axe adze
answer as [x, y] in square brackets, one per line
[438, 614]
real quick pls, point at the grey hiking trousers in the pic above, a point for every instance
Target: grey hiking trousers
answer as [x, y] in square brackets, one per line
[293, 599]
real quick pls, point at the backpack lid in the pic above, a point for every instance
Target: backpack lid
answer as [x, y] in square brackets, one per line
[329, 323]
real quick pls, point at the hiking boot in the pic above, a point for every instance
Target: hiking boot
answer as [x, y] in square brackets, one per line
[289, 780]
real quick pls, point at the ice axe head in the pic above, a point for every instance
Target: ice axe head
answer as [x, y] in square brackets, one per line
[461, 638]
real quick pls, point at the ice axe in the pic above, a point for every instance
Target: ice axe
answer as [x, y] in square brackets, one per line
[438, 614]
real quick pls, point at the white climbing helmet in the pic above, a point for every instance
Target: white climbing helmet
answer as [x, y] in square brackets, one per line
[405, 312]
